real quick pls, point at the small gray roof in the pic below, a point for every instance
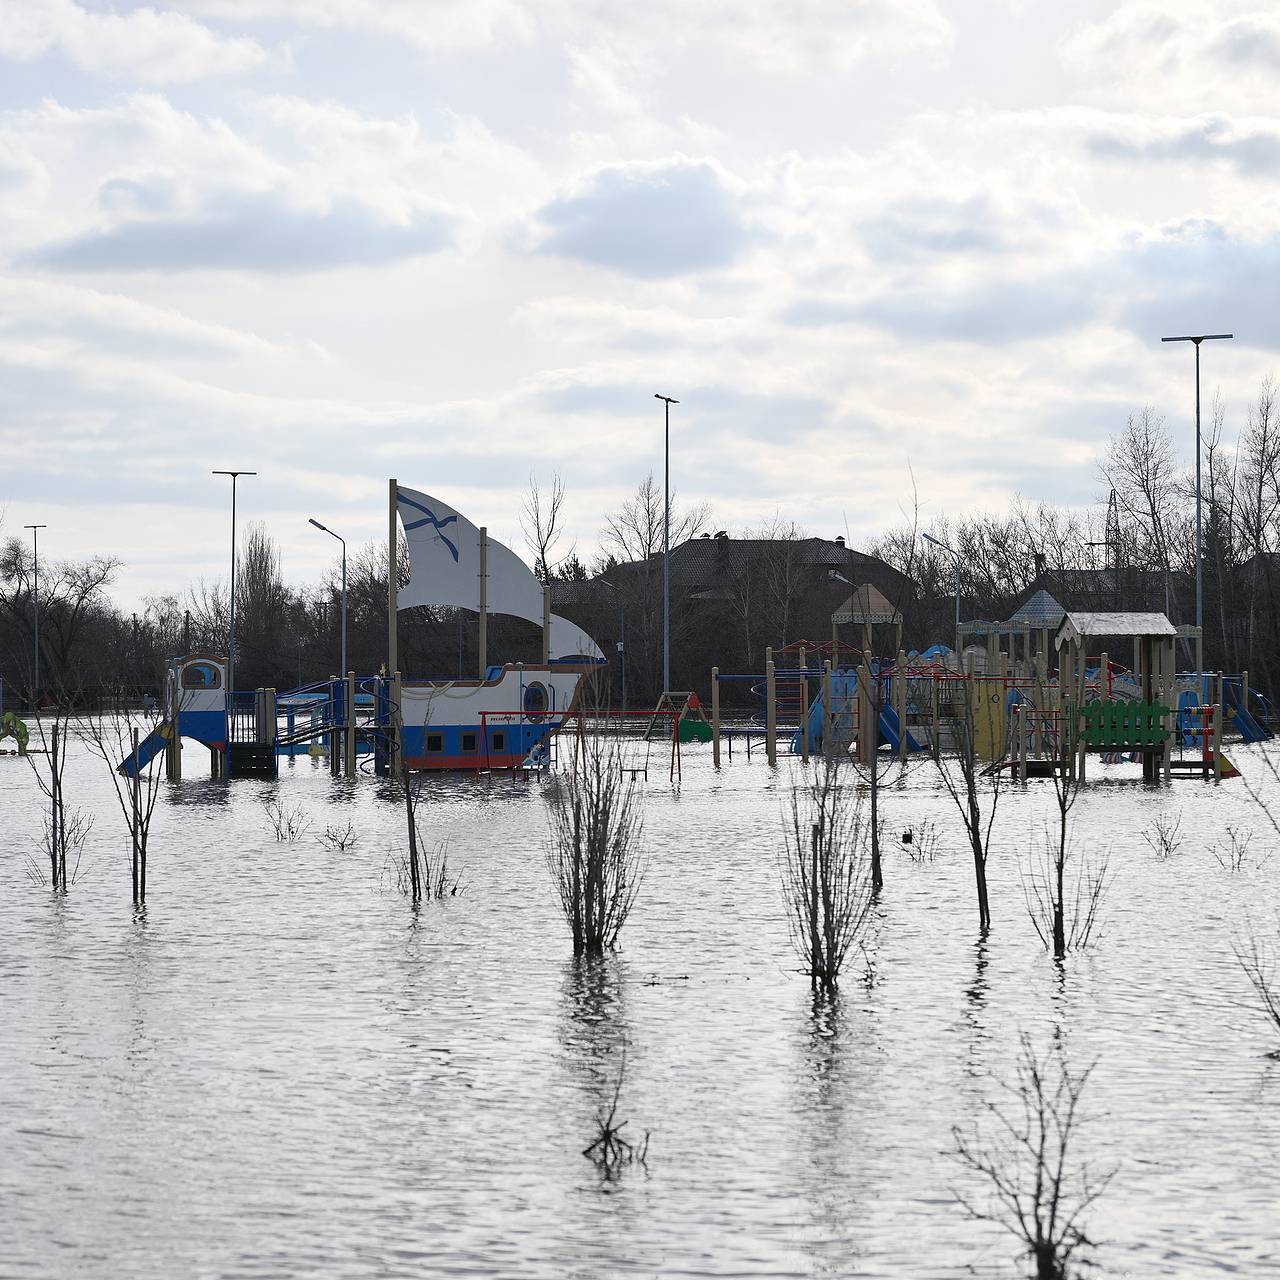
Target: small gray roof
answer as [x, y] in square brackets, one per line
[1086, 625]
[1041, 610]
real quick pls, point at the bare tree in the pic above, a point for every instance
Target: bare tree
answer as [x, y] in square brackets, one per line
[122, 738]
[540, 521]
[825, 876]
[594, 853]
[1038, 1189]
[65, 829]
[962, 776]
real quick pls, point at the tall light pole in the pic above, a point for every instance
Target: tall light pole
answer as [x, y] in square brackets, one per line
[667, 402]
[231, 629]
[1198, 338]
[330, 532]
[35, 605]
[955, 564]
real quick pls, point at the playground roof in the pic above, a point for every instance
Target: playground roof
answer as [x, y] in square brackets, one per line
[1040, 610]
[866, 605]
[1084, 626]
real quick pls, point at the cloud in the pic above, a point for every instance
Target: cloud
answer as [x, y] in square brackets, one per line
[989, 311]
[440, 26]
[1144, 52]
[1196, 278]
[1252, 148]
[251, 233]
[648, 221]
[152, 46]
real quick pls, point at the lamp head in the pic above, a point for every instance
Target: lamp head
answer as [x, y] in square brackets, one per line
[317, 524]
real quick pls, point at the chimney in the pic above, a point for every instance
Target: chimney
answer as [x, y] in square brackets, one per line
[839, 540]
[723, 534]
[1039, 564]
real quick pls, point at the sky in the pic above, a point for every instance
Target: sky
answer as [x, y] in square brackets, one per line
[865, 243]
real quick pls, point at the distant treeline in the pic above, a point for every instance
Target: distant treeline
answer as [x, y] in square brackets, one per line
[1134, 550]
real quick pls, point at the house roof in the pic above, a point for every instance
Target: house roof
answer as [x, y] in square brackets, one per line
[704, 563]
[1084, 626]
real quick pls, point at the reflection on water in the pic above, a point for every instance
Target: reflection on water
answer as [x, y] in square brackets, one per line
[282, 1068]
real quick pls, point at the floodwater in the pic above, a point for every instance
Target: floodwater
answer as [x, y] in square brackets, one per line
[281, 1070]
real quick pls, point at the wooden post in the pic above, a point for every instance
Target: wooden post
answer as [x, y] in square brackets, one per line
[828, 710]
[349, 739]
[483, 638]
[135, 825]
[396, 763]
[815, 839]
[546, 622]
[393, 578]
[1217, 732]
[770, 709]
[715, 716]
[335, 732]
[173, 749]
[900, 698]
[935, 734]
[804, 707]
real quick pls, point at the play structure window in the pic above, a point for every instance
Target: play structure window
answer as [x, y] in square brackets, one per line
[201, 675]
[500, 741]
[535, 700]
[435, 742]
[468, 742]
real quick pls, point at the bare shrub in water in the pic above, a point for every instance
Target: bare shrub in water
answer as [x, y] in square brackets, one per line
[434, 879]
[1038, 1189]
[594, 854]
[1257, 957]
[1233, 853]
[1165, 837]
[338, 839]
[826, 873]
[286, 822]
[920, 843]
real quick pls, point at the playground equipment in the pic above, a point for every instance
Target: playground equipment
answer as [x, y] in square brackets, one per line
[12, 727]
[1019, 715]
[502, 719]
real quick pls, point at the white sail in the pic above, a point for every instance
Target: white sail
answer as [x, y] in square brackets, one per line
[444, 570]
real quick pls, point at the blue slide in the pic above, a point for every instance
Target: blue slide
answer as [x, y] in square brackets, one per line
[844, 728]
[150, 747]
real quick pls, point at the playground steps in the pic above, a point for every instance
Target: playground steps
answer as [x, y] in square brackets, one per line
[251, 760]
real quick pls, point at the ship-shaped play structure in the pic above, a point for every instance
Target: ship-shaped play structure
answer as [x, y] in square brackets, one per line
[504, 718]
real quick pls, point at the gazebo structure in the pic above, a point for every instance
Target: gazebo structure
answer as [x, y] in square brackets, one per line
[1113, 724]
[867, 607]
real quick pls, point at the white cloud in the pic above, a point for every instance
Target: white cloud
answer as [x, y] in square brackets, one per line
[1179, 56]
[146, 45]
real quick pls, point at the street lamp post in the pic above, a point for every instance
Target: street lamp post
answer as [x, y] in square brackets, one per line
[1197, 339]
[667, 402]
[951, 551]
[330, 532]
[35, 605]
[231, 628]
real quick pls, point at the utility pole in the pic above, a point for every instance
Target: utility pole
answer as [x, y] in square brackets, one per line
[35, 605]
[231, 629]
[1197, 339]
[667, 401]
